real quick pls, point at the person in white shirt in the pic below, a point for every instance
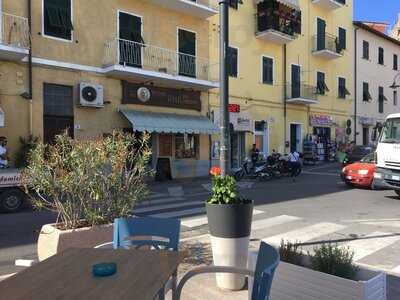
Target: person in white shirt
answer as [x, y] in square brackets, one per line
[294, 163]
[3, 153]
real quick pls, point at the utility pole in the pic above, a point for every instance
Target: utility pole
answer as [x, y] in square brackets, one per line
[224, 86]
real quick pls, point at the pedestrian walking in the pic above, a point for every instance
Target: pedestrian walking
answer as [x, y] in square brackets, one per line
[294, 163]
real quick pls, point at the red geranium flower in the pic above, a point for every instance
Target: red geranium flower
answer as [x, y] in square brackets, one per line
[215, 171]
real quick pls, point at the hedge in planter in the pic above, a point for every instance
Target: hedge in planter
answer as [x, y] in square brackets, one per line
[88, 183]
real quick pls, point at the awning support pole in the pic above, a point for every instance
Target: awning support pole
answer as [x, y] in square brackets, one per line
[224, 87]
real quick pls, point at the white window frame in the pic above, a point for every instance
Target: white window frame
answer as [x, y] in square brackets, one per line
[119, 11]
[177, 47]
[57, 38]
[262, 69]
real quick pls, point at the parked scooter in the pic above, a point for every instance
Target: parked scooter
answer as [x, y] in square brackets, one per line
[259, 171]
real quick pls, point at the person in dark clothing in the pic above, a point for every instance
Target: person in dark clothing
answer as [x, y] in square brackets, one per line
[294, 163]
[254, 156]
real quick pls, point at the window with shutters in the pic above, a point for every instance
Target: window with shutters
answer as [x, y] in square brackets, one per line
[342, 39]
[267, 70]
[395, 98]
[57, 19]
[235, 3]
[395, 62]
[233, 57]
[342, 89]
[365, 50]
[322, 88]
[366, 95]
[381, 56]
[381, 100]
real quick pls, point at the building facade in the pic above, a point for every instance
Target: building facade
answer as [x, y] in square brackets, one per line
[101, 65]
[291, 67]
[377, 63]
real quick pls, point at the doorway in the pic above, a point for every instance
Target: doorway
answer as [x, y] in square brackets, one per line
[130, 40]
[58, 111]
[296, 79]
[187, 53]
[238, 149]
[365, 136]
[261, 137]
[295, 137]
[321, 32]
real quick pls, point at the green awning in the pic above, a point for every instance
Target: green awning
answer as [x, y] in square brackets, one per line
[169, 123]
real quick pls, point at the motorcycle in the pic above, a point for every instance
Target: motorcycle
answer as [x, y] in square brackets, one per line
[259, 171]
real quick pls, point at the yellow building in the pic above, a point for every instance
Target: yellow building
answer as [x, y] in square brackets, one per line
[100, 65]
[291, 73]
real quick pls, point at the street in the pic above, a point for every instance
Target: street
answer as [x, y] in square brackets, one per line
[317, 208]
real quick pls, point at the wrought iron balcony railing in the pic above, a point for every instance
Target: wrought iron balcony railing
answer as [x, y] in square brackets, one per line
[157, 59]
[14, 31]
[328, 42]
[273, 15]
[301, 91]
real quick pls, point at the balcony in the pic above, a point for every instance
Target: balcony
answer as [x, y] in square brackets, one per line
[327, 46]
[301, 94]
[277, 23]
[142, 62]
[330, 4]
[14, 37]
[200, 9]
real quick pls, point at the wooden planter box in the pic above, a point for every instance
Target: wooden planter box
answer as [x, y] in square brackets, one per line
[293, 282]
[53, 240]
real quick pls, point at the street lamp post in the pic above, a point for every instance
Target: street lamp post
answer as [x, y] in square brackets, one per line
[395, 85]
[224, 86]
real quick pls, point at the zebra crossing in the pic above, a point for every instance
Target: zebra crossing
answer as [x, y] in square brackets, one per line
[372, 240]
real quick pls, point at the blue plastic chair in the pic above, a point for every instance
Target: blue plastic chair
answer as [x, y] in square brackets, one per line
[267, 262]
[164, 233]
[159, 234]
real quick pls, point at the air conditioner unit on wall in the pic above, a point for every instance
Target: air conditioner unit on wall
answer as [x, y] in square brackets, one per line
[91, 95]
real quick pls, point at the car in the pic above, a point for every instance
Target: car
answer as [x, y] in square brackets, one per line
[357, 154]
[360, 174]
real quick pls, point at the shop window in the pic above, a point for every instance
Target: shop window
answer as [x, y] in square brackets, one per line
[186, 146]
[365, 50]
[342, 89]
[381, 56]
[366, 95]
[233, 62]
[57, 19]
[267, 70]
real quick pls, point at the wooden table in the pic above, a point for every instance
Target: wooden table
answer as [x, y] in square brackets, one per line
[140, 275]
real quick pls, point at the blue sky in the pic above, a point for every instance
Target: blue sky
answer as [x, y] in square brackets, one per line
[376, 10]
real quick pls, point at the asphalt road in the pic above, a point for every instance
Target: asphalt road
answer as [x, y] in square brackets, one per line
[318, 202]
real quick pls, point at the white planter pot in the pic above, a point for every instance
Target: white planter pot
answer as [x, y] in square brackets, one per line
[53, 240]
[230, 228]
[293, 282]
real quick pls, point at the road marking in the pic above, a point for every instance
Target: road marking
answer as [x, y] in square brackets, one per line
[305, 234]
[396, 270]
[154, 195]
[159, 201]
[241, 185]
[3, 277]
[167, 206]
[384, 223]
[274, 221]
[321, 173]
[181, 213]
[196, 222]
[176, 191]
[25, 262]
[371, 243]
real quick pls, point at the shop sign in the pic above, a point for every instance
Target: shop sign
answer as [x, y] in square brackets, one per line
[321, 120]
[241, 121]
[367, 121]
[234, 108]
[142, 94]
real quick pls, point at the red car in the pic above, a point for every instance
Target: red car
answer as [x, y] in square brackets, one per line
[361, 173]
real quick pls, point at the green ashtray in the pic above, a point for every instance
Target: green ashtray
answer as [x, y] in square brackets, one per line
[104, 269]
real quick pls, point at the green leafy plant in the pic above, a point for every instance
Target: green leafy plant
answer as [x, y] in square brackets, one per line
[224, 191]
[291, 253]
[89, 182]
[332, 259]
[27, 145]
